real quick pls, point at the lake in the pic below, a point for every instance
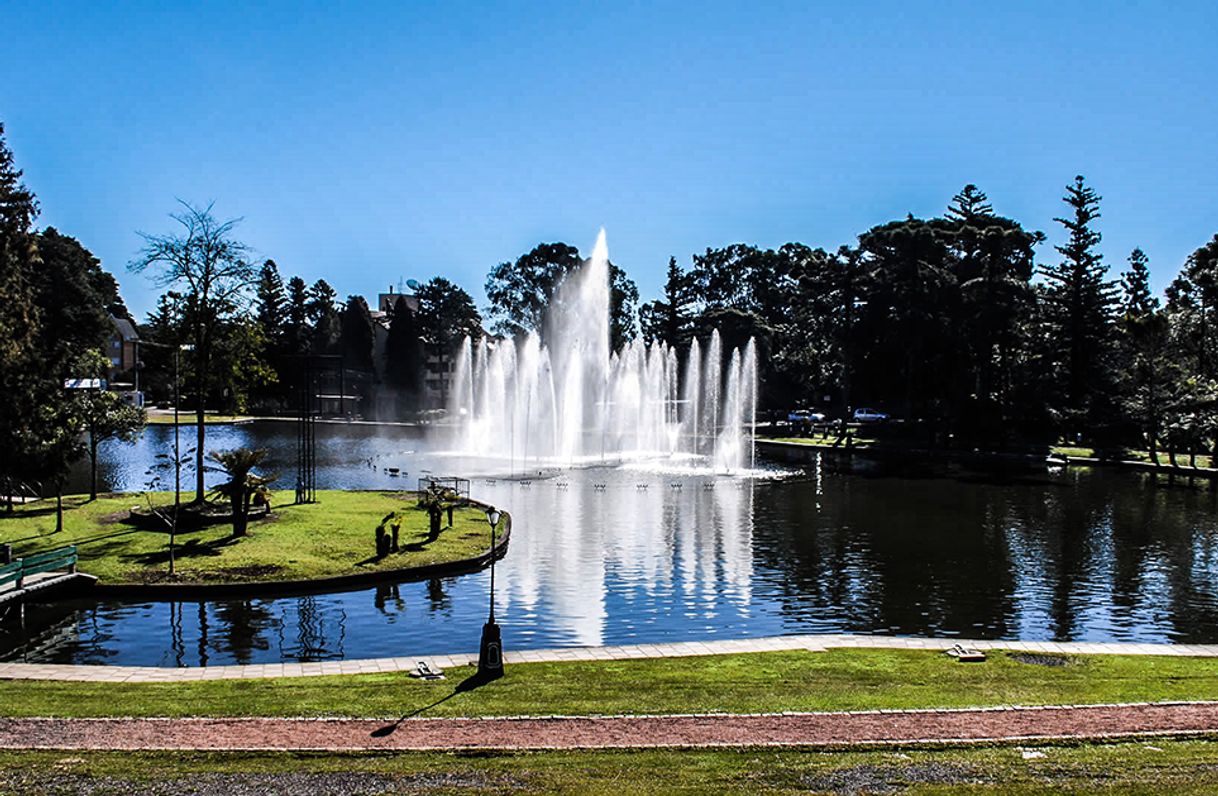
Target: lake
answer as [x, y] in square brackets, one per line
[637, 553]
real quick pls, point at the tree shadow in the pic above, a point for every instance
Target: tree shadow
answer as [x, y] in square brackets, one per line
[468, 684]
[191, 548]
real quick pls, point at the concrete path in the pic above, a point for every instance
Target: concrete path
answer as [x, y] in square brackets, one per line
[813, 643]
[620, 732]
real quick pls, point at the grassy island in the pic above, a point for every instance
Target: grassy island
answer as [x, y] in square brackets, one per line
[333, 537]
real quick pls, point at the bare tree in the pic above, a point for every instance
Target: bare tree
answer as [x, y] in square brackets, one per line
[214, 269]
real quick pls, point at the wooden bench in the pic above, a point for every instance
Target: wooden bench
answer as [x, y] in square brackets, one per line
[50, 561]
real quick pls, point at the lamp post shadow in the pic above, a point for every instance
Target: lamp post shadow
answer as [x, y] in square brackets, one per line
[468, 684]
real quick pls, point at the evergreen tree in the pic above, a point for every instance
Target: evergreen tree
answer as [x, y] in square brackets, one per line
[323, 318]
[296, 316]
[447, 315]
[1192, 299]
[271, 304]
[970, 203]
[357, 334]
[404, 356]
[670, 319]
[1150, 379]
[1136, 298]
[1080, 308]
[992, 260]
[19, 320]
[165, 326]
[906, 323]
[74, 295]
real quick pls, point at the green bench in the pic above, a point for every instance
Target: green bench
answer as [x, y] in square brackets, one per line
[50, 561]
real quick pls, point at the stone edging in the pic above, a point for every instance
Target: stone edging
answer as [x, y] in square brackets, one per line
[175, 591]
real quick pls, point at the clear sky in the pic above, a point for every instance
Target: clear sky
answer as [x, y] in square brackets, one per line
[374, 142]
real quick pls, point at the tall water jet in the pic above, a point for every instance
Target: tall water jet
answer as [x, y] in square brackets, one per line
[562, 397]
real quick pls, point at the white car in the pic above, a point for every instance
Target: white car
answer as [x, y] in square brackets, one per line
[864, 415]
[805, 416]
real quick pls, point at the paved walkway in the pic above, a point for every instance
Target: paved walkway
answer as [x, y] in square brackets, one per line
[813, 643]
[780, 729]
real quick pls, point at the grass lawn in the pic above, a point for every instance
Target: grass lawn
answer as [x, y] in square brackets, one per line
[1137, 767]
[836, 680]
[1203, 460]
[824, 442]
[335, 536]
[840, 679]
[187, 418]
[817, 441]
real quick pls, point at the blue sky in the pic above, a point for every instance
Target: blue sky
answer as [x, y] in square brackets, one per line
[368, 143]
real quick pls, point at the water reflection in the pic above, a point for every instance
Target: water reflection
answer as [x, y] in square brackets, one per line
[605, 556]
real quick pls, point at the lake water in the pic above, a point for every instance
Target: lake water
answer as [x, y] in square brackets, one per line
[614, 555]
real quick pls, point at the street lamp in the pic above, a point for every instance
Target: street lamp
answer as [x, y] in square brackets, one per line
[177, 444]
[490, 651]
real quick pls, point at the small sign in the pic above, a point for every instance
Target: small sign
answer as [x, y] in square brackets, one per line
[84, 384]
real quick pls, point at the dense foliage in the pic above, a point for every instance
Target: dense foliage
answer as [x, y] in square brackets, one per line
[55, 308]
[962, 325]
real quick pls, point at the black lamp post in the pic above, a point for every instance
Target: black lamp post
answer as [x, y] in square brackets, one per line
[490, 652]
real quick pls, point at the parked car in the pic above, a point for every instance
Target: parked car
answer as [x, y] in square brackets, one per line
[805, 416]
[865, 415]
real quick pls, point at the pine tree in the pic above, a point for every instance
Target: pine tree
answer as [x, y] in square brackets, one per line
[670, 319]
[970, 203]
[323, 317]
[270, 303]
[296, 316]
[1136, 298]
[404, 355]
[1081, 302]
[357, 334]
[19, 321]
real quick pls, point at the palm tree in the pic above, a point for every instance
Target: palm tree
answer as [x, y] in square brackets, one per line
[242, 484]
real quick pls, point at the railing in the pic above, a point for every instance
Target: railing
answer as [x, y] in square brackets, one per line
[21, 568]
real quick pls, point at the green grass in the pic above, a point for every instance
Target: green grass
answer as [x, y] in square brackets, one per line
[825, 442]
[160, 418]
[1161, 766]
[335, 536]
[817, 441]
[1203, 460]
[842, 679]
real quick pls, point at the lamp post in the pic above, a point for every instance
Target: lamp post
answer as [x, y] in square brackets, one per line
[490, 651]
[177, 444]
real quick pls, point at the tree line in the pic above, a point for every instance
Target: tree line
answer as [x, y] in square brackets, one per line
[960, 324]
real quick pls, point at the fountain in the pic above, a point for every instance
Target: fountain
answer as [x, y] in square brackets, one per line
[563, 398]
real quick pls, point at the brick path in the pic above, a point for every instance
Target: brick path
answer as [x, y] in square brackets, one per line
[784, 729]
[814, 643]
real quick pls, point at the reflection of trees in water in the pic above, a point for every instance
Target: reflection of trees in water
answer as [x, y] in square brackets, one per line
[1089, 554]
[437, 597]
[243, 624]
[1186, 558]
[316, 642]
